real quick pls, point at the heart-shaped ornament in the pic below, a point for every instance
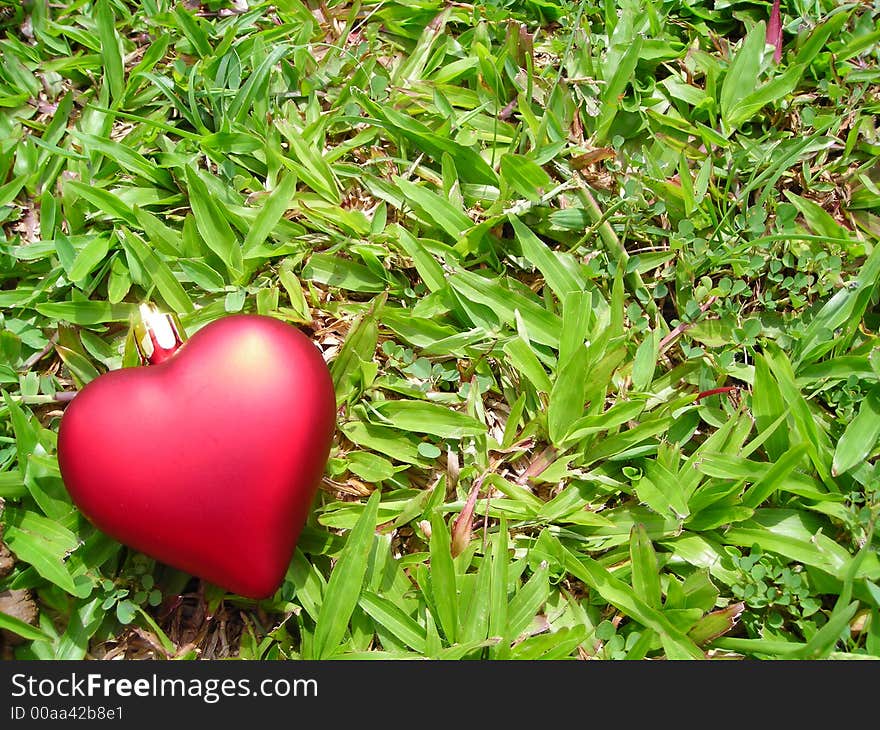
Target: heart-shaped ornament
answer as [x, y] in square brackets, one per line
[210, 460]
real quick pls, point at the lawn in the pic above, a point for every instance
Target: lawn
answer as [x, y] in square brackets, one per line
[597, 285]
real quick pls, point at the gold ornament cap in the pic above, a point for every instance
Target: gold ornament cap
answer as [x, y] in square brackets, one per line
[157, 335]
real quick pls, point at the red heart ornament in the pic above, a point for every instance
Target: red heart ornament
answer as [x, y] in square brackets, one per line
[208, 461]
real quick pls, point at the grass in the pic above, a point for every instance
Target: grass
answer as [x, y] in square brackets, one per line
[597, 283]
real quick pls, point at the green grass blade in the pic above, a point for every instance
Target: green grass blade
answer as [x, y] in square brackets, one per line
[559, 276]
[645, 575]
[212, 224]
[443, 581]
[525, 605]
[388, 615]
[860, 437]
[169, 287]
[110, 55]
[498, 601]
[345, 584]
[42, 543]
[87, 312]
[430, 418]
[270, 213]
[767, 407]
[625, 599]
[435, 208]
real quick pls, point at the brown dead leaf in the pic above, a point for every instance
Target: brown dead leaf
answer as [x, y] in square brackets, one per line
[7, 559]
[18, 604]
[587, 159]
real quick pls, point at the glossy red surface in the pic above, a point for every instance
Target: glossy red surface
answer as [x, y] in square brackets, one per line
[210, 460]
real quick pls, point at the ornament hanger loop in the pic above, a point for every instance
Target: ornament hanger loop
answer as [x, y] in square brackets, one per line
[157, 335]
